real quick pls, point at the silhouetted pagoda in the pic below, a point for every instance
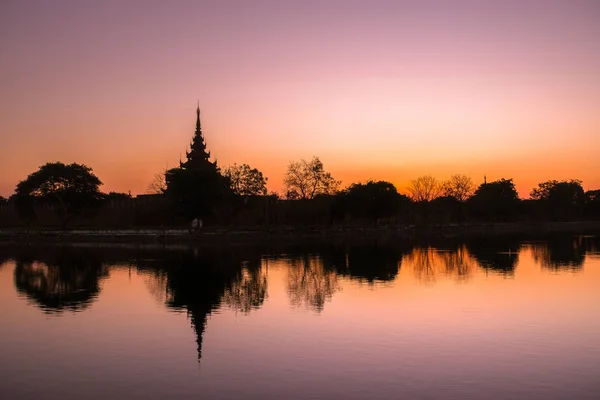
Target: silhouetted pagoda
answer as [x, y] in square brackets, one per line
[198, 157]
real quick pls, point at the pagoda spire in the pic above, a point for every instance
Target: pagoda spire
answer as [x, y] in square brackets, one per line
[198, 156]
[198, 128]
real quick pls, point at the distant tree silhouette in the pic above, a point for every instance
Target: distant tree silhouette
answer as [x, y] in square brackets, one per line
[196, 187]
[372, 200]
[445, 209]
[117, 196]
[72, 188]
[306, 179]
[246, 181]
[496, 200]
[3, 200]
[158, 184]
[458, 186]
[424, 188]
[562, 199]
[592, 203]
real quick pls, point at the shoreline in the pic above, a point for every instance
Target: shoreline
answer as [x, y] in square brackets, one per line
[262, 235]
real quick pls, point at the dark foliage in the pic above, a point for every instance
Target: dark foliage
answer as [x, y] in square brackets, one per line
[72, 188]
[495, 201]
[560, 200]
[372, 200]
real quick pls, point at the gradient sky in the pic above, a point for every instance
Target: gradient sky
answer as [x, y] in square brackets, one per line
[377, 89]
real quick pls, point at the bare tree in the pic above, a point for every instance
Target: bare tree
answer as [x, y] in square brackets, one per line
[461, 187]
[306, 179]
[158, 184]
[246, 181]
[424, 188]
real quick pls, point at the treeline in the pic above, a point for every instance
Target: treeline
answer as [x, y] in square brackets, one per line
[238, 195]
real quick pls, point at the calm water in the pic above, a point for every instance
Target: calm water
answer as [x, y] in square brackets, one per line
[493, 318]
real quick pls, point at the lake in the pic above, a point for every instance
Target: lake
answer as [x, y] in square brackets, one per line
[487, 318]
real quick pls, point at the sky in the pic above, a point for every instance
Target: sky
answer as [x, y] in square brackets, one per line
[385, 90]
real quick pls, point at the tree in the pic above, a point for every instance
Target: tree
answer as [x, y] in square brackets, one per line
[306, 179]
[495, 200]
[562, 199]
[3, 200]
[424, 188]
[458, 186]
[117, 196]
[158, 184]
[572, 189]
[71, 187]
[372, 199]
[246, 181]
[592, 203]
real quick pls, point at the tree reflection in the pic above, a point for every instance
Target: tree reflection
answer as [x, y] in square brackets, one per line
[248, 291]
[428, 263]
[560, 254]
[373, 264]
[59, 279]
[310, 283]
[498, 254]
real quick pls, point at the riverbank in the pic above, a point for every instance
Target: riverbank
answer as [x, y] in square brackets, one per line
[216, 236]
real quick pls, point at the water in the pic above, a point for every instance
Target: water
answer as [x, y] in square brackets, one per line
[489, 318]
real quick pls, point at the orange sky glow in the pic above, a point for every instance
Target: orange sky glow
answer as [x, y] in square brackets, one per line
[386, 90]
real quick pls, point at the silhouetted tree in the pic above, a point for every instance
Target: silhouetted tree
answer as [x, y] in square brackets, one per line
[117, 196]
[445, 209]
[458, 186]
[306, 179]
[3, 200]
[71, 187]
[592, 203]
[562, 199]
[372, 200]
[158, 184]
[496, 200]
[246, 181]
[424, 188]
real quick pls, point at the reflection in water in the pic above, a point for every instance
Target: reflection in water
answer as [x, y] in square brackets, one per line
[310, 283]
[60, 279]
[561, 253]
[248, 291]
[198, 282]
[429, 263]
[499, 255]
[373, 264]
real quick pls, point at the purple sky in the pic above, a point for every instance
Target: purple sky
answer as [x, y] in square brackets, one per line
[378, 89]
